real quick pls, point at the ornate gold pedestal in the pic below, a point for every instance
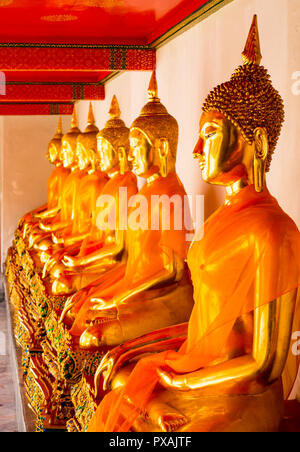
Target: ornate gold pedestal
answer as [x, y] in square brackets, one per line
[84, 402]
[47, 393]
[52, 363]
[74, 367]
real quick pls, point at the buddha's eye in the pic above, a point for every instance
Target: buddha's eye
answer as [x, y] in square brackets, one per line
[209, 135]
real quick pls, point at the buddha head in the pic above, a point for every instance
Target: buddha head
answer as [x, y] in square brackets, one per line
[241, 123]
[113, 141]
[153, 137]
[86, 148]
[54, 147]
[69, 144]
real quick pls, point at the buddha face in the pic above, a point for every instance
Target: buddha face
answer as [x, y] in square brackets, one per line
[67, 153]
[82, 156]
[221, 150]
[53, 153]
[107, 154]
[140, 154]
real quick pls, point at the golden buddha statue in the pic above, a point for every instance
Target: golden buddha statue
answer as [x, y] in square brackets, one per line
[226, 369]
[39, 237]
[54, 186]
[155, 289]
[90, 186]
[103, 247]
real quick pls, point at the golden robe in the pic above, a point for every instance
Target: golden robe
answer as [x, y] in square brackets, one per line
[251, 235]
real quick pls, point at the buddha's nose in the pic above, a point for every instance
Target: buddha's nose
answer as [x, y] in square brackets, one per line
[198, 148]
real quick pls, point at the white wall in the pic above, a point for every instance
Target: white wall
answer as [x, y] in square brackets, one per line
[25, 169]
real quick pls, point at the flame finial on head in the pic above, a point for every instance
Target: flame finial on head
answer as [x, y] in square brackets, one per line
[249, 99]
[59, 133]
[114, 111]
[91, 117]
[74, 123]
[252, 52]
[59, 127]
[115, 130]
[153, 88]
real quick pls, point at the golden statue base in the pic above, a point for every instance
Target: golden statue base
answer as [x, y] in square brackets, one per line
[261, 412]
[85, 404]
[48, 396]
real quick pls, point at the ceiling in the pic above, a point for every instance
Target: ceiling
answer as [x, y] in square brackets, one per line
[63, 50]
[109, 22]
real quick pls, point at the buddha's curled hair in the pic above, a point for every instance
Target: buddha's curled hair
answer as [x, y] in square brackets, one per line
[249, 100]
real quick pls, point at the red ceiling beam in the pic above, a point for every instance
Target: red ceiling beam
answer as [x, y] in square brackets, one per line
[36, 109]
[55, 57]
[51, 92]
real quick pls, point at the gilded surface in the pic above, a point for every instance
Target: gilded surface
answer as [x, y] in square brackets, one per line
[236, 385]
[147, 298]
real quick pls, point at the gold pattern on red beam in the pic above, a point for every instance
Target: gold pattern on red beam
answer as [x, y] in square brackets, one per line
[52, 57]
[7, 109]
[52, 92]
[59, 18]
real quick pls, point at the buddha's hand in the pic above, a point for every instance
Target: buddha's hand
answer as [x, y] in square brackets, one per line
[71, 261]
[69, 304]
[24, 220]
[102, 308]
[57, 239]
[26, 228]
[57, 270]
[45, 227]
[21, 223]
[49, 263]
[107, 369]
[33, 239]
[171, 380]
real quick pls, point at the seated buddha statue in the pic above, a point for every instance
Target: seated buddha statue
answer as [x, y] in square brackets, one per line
[54, 186]
[69, 239]
[230, 366]
[103, 247]
[155, 289]
[90, 186]
[39, 238]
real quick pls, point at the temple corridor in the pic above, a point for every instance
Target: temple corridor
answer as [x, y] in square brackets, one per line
[149, 218]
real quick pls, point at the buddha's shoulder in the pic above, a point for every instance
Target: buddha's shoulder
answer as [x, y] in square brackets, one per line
[272, 223]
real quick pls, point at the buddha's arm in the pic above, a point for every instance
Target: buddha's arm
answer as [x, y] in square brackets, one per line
[53, 227]
[45, 213]
[272, 332]
[109, 251]
[36, 211]
[35, 238]
[172, 270]
[70, 241]
[77, 297]
[165, 339]
[30, 217]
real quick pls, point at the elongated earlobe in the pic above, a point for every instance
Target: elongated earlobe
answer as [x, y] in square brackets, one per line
[122, 159]
[260, 155]
[163, 156]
